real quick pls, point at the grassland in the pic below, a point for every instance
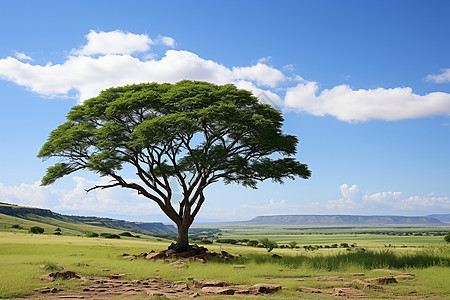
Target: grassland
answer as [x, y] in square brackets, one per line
[24, 257]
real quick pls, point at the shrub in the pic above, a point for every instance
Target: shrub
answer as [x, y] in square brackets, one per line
[252, 243]
[17, 226]
[36, 230]
[126, 234]
[110, 235]
[447, 237]
[57, 233]
[268, 244]
[58, 229]
[227, 241]
[205, 241]
[91, 234]
[292, 244]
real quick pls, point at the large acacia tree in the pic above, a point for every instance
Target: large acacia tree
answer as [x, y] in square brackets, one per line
[194, 132]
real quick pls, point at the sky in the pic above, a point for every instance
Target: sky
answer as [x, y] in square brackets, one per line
[364, 85]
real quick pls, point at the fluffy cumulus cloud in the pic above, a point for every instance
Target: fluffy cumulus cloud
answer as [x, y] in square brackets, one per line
[114, 42]
[350, 105]
[118, 58]
[440, 78]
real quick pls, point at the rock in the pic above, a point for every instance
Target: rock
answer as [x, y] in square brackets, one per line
[179, 264]
[266, 288]
[367, 285]
[382, 280]
[349, 293]
[156, 255]
[310, 290]
[200, 283]
[64, 274]
[218, 290]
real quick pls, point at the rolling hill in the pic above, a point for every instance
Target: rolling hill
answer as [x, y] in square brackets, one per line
[30, 216]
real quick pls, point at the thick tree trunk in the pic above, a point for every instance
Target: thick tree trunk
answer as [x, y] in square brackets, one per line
[182, 244]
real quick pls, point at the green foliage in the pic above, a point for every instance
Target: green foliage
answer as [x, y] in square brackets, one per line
[36, 230]
[126, 234]
[110, 235]
[268, 244]
[292, 244]
[252, 243]
[227, 241]
[447, 237]
[51, 267]
[206, 242]
[91, 234]
[16, 226]
[197, 132]
[58, 229]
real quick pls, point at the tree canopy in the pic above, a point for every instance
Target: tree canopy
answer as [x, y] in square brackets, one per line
[194, 132]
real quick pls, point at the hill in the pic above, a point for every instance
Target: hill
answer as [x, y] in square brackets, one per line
[441, 217]
[80, 224]
[341, 220]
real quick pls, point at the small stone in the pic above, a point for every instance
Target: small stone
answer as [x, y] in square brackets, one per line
[238, 266]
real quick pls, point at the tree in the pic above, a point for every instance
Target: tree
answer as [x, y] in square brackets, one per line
[447, 237]
[36, 230]
[292, 244]
[186, 135]
[268, 244]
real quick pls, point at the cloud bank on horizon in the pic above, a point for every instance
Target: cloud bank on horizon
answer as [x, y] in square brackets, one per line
[352, 201]
[110, 59]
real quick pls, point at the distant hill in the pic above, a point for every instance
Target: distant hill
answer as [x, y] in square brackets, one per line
[47, 216]
[341, 220]
[441, 217]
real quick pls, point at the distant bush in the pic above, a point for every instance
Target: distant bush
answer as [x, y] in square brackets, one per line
[58, 229]
[227, 241]
[205, 242]
[36, 230]
[126, 234]
[252, 243]
[447, 237]
[110, 235]
[57, 233]
[91, 234]
[17, 226]
[268, 244]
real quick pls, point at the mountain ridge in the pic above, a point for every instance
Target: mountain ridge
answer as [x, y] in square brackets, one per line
[342, 220]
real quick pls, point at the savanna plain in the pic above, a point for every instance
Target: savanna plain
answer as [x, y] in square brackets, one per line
[318, 258]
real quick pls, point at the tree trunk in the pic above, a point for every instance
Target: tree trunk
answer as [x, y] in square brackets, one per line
[182, 244]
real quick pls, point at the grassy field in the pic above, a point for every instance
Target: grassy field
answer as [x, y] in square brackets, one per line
[24, 257]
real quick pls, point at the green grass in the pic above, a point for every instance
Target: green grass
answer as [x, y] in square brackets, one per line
[24, 257]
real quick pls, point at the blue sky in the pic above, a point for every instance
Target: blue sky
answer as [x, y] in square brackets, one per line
[365, 85]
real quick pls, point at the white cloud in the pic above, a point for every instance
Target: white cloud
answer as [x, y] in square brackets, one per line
[107, 60]
[167, 41]
[353, 201]
[114, 42]
[440, 78]
[87, 76]
[22, 56]
[112, 201]
[351, 105]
